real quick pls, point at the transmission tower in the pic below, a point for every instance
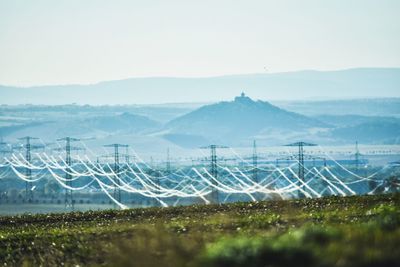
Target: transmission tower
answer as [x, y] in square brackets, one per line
[28, 171]
[69, 200]
[168, 162]
[255, 162]
[117, 191]
[4, 147]
[2, 144]
[155, 175]
[357, 156]
[300, 159]
[127, 155]
[214, 170]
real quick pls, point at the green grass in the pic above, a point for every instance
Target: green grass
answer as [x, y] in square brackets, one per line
[351, 231]
[15, 209]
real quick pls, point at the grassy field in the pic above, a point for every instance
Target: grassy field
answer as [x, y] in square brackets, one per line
[351, 231]
[15, 209]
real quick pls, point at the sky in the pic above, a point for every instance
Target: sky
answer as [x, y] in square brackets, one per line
[78, 42]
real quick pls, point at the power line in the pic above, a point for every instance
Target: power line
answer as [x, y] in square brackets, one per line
[69, 200]
[214, 170]
[117, 191]
[300, 159]
[357, 156]
[5, 147]
[255, 162]
[127, 157]
[168, 162]
[28, 171]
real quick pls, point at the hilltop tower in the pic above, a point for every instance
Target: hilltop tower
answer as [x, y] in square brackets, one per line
[243, 98]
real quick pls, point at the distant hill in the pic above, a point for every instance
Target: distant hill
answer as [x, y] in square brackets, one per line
[363, 107]
[125, 123]
[243, 118]
[300, 85]
[352, 120]
[234, 123]
[376, 132]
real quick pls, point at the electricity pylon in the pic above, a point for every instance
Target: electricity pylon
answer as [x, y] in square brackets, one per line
[255, 162]
[214, 170]
[127, 157]
[117, 189]
[69, 200]
[5, 147]
[28, 171]
[168, 162]
[300, 159]
[357, 156]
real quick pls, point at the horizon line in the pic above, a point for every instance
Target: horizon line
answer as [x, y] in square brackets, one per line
[187, 77]
[312, 99]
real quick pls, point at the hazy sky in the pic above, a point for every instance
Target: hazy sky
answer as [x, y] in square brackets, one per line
[83, 41]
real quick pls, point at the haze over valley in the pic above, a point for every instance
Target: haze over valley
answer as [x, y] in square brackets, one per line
[184, 127]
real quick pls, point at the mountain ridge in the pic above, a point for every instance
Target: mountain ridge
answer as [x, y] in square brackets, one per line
[351, 83]
[306, 71]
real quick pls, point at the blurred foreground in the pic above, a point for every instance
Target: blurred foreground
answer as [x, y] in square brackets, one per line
[333, 231]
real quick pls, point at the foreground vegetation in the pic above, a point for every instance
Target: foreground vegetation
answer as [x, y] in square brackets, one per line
[334, 231]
